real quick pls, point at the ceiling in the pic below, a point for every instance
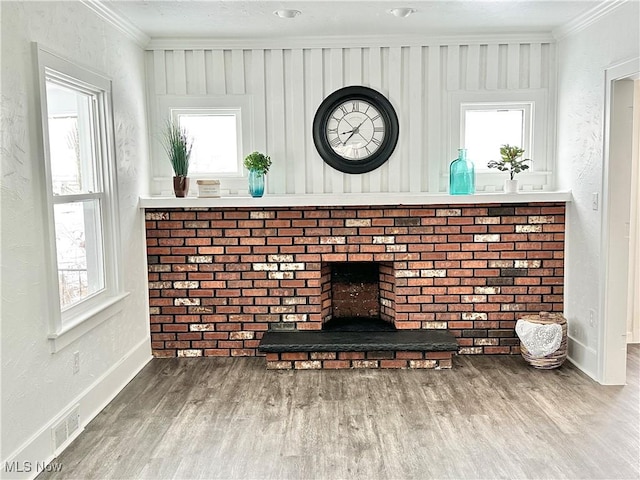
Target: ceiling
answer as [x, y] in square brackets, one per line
[255, 19]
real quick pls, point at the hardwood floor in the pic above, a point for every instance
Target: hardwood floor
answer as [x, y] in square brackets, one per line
[488, 417]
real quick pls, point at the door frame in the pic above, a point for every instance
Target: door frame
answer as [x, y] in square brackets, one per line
[612, 359]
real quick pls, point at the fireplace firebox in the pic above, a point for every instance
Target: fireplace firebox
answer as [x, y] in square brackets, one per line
[358, 295]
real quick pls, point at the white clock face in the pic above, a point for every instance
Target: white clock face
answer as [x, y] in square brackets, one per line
[355, 130]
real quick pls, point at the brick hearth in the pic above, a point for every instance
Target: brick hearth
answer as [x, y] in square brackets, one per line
[220, 277]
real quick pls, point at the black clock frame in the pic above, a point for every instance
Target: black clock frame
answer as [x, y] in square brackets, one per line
[389, 141]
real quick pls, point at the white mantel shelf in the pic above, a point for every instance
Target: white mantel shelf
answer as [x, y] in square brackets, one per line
[353, 199]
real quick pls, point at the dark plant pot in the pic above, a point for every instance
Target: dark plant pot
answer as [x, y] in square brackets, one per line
[181, 186]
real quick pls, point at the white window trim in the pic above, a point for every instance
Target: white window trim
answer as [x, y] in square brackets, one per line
[66, 327]
[529, 111]
[161, 168]
[541, 174]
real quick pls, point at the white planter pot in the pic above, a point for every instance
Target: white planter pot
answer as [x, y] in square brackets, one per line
[510, 186]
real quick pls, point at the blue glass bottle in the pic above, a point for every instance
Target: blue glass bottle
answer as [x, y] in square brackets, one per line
[256, 183]
[462, 175]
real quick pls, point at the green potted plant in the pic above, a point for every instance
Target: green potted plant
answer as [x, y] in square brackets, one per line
[258, 165]
[511, 163]
[178, 146]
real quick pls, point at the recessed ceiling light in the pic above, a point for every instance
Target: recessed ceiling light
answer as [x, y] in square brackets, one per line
[287, 13]
[402, 12]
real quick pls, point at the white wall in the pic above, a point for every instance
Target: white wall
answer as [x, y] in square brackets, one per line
[286, 86]
[583, 58]
[37, 385]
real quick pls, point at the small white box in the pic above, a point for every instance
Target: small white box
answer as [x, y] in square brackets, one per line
[208, 188]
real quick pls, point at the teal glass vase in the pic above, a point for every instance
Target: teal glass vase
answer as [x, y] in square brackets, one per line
[462, 175]
[256, 183]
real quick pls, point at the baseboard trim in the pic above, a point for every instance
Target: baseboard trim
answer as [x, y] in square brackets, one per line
[28, 461]
[583, 357]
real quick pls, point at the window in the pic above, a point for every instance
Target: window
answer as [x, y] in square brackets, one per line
[483, 121]
[486, 127]
[217, 140]
[77, 144]
[222, 130]
[78, 194]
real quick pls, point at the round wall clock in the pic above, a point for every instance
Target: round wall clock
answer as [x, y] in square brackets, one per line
[355, 129]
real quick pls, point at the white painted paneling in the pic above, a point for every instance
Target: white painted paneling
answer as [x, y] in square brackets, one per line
[197, 81]
[513, 66]
[276, 133]
[297, 125]
[353, 183]
[472, 67]
[375, 81]
[258, 90]
[315, 95]
[179, 72]
[395, 96]
[434, 118]
[416, 117]
[237, 72]
[492, 72]
[218, 83]
[159, 72]
[288, 84]
[452, 67]
[535, 65]
[336, 80]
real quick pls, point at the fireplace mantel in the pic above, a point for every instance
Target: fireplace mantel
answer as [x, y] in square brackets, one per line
[353, 199]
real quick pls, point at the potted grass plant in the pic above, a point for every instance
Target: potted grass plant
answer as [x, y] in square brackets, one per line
[178, 146]
[510, 162]
[258, 165]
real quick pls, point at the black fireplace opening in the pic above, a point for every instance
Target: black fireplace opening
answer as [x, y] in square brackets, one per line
[357, 292]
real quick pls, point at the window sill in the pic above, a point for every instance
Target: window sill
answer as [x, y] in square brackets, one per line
[82, 324]
[353, 199]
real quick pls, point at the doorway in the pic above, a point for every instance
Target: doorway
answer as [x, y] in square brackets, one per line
[620, 220]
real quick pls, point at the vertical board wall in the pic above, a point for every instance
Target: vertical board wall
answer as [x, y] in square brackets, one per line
[287, 85]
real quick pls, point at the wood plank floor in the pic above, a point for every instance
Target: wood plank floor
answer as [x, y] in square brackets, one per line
[489, 417]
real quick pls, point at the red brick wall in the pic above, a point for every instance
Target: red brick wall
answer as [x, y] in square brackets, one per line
[218, 277]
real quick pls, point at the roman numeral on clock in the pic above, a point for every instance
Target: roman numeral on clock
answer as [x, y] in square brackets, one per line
[335, 142]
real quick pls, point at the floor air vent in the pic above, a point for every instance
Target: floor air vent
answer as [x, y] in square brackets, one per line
[66, 428]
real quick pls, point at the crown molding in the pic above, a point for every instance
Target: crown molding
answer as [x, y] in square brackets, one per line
[122, 24]
[341, 41]
[588, 18]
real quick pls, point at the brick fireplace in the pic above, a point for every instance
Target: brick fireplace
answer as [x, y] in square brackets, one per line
[220, 277]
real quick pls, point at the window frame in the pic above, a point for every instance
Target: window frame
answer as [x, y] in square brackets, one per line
[528, 109]
[161, 112]
[237, 113]
[540, 175]
[68, 324]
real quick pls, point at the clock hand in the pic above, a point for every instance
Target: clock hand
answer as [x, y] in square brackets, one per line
[349, 137]
[355, 130]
